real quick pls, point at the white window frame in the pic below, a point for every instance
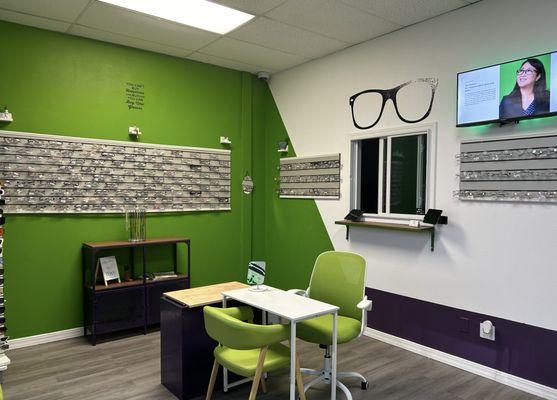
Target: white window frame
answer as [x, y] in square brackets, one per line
[430, 129]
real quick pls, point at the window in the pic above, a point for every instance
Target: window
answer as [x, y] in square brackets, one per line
[392, 172]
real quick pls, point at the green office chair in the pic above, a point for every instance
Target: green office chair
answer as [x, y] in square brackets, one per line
[338, 278]
[247, 349]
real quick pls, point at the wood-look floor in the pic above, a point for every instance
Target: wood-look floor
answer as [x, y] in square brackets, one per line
[129, 368]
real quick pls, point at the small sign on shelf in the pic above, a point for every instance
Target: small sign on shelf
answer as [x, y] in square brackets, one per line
[109, 268]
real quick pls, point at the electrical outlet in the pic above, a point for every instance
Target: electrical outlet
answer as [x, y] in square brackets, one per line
[487, 330]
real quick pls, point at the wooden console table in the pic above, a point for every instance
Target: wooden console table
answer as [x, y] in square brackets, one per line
[129, 304]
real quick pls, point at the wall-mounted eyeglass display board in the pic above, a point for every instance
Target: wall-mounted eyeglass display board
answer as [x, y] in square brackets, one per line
[61, 174]
[310, 177]
[4, 345]
[520, 169]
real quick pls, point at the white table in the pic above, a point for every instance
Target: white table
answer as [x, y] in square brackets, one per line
[293, 308]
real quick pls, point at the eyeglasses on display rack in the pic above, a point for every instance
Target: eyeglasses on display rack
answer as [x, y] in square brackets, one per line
[535, 153]
[412, 101]
[510, 175]
[541, 196]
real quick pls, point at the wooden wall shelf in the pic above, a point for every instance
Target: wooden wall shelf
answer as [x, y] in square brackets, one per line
[136, 282]
[387, 225]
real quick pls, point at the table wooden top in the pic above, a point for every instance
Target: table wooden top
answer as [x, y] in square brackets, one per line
[126, 243]
[202, 296]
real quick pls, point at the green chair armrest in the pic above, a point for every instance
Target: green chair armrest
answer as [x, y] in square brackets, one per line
[242, 313]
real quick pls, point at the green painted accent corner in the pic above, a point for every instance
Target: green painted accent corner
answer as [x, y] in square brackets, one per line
[67, 85]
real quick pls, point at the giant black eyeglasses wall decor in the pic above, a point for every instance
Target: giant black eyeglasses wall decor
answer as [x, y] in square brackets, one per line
[412, 101]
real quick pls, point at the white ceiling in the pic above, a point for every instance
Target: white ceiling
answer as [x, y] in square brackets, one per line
[284, 33]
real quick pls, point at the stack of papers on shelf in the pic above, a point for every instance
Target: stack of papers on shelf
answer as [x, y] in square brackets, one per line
[157, 276]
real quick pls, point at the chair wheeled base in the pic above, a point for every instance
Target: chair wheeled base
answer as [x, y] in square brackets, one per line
[324, 375]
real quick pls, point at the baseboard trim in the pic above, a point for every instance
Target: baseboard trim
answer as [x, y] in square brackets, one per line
[45, 338]
[502, 377]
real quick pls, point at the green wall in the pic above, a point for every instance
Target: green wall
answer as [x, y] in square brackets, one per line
[290, 233]
[59, 84]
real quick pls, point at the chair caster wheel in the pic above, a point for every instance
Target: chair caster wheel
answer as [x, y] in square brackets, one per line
[365, 385]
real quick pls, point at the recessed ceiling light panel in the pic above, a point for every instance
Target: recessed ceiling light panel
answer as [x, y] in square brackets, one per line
[200, 14]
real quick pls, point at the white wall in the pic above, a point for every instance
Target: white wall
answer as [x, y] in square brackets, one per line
[493, 258]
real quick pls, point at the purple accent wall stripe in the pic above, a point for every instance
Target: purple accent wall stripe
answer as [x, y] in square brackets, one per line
[522, 350]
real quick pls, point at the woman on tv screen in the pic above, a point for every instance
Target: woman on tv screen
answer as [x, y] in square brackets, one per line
[530, 95]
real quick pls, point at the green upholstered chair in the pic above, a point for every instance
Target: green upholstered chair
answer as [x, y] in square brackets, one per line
[247, 349]
[338, 278]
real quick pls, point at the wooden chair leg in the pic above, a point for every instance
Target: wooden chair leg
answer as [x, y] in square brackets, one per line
[263, 384]
[299, 380]
[212, 380]
[258, 373]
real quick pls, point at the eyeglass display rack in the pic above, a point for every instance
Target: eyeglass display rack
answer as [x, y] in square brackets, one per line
[315, 177]
[64, 174]
[515, 169]
[4, 360]
[128, 304]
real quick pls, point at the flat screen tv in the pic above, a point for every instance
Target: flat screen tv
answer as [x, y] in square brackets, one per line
[508, 92]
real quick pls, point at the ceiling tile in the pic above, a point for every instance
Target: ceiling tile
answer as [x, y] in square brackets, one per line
[64, 10]
[406, 12]
[127, 41]
[124, 22]
[333, 19]
[256, 7]
[253, 54]
[26, 19]
[223, 62]
[276, 35]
